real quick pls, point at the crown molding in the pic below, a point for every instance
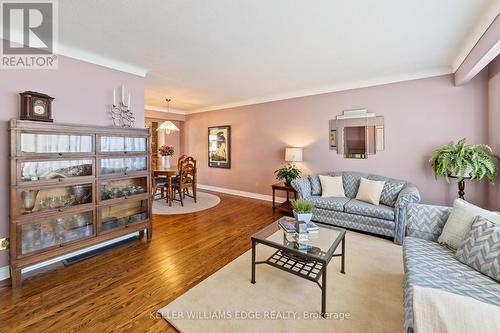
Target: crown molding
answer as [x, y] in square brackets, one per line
[90, 57]
[330, 89]
[164, 109]
[96, 59]
[477, 32]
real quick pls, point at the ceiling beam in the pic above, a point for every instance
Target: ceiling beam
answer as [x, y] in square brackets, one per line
[485, 50]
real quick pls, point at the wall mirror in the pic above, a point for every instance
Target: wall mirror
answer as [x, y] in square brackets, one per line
[357, 134]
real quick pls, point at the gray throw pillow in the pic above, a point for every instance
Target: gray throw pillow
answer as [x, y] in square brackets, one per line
[315, 185]
[481, 248]
[391, 190]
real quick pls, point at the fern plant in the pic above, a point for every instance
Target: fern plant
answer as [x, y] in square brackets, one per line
[461, 160]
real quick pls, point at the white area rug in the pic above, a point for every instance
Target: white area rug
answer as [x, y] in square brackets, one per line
[204, 201]
[368, 298]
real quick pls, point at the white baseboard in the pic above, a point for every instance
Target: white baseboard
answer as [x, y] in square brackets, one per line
[5, 271]
[252, 195]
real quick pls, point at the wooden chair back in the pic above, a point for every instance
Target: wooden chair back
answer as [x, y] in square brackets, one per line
[179, 160]
[187, 171]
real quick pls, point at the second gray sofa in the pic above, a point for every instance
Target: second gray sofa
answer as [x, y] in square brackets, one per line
[386, 219]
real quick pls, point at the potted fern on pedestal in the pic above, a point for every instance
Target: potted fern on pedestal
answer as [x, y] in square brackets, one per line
[462, 161]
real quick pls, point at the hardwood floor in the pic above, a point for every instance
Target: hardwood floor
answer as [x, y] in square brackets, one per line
[121, 290]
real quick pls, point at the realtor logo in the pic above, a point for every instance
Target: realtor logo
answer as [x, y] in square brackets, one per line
[29, 31]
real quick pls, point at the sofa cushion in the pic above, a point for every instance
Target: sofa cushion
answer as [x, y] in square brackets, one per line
[391, 190]
[481, 248]
[331, 186]
[357, 207]
[370, 191]
[315, 185]
[331, 203]
[460, 221]
[351, 182]
[429, 264]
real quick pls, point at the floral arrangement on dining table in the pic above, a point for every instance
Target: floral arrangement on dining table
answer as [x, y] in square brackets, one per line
[166, 150]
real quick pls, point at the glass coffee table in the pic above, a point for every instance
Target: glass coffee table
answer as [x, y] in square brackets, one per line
[308, 260]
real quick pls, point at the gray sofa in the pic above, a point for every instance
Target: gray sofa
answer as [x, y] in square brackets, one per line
[387, 219]
[429, 264]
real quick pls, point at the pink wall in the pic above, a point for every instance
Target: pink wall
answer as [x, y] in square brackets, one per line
[494, 125]
[420, 115]
[82, 92]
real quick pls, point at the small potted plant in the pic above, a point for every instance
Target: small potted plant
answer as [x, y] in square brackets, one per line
[166, 151]
[287, 173]
[302, 210]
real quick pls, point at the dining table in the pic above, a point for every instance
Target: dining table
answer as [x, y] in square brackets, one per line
[167, 173]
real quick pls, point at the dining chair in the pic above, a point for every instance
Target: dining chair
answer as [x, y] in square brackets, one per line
[161, 184]
[183, 156]
[186, 180]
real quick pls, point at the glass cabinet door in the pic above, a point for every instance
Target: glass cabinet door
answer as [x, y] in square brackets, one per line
[114, 144]
[29, 201]
[110, 166]
[57, 169]
[52, 232]
[114, 189]
[41, 143]
[119, 216]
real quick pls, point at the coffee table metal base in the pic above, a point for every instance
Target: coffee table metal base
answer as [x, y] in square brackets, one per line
[308, 269]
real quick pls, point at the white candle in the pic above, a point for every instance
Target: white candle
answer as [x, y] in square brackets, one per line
[128, 102]
[123, 94]
[114, 96]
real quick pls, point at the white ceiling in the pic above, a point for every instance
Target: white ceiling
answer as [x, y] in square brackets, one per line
[209, 54]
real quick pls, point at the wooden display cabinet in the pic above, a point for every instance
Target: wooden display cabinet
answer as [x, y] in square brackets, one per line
[74, 186]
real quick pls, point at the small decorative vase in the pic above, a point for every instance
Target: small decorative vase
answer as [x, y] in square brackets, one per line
[303, 217]
[165, 162]
[81, 193]
[29, 200]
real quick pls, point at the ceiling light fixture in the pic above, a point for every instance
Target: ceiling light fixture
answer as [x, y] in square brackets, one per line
[168, 126]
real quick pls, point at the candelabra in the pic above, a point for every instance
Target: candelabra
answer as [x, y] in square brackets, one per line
[120, 112]
[122, 115]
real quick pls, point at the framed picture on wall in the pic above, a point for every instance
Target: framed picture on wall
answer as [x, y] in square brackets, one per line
[333, 139]
[219, 147]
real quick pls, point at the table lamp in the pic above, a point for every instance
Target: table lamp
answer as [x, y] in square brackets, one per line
[293, 154]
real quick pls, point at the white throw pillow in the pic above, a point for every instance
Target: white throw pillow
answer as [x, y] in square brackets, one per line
[460, 221]
[331, 186]
[370, 191]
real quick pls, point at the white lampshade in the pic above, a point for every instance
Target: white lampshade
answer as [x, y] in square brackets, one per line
[168, 127]
[293, 154]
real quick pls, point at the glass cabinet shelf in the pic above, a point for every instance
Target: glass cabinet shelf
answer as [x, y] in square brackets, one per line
[110, 166]
[55, 231]
[38, 143]
[114, 189]
[114, 144]
[119, 216]
[37, 200]
[58, 169]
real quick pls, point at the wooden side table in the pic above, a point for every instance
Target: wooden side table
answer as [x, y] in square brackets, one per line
[287, 205]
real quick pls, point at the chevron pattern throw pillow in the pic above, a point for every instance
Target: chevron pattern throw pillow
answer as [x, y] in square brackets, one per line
[481, 248]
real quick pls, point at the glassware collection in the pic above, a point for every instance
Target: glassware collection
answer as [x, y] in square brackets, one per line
[56, 231]
[53, 198]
